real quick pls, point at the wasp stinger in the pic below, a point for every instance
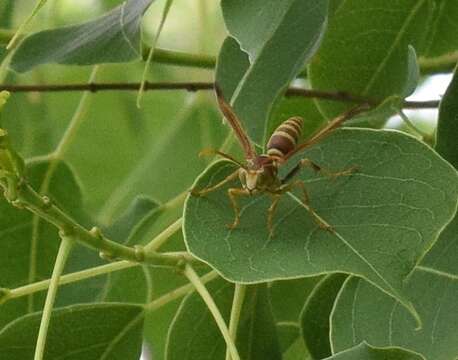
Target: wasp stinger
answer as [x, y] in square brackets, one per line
[259, 174]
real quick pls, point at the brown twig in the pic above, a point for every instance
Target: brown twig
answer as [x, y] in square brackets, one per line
[198, 86]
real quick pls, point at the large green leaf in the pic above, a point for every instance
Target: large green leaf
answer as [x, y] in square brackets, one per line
[362, 312]
[365, 351]
[441, 38]
[279, 38]
[316, 313]
[365, 50]
[447, 128]
[114, 37]
[395, 204]
[89, 332]
[194, 334]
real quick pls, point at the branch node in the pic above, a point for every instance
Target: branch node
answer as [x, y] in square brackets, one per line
[180, 267]
[66, 231]
[47, 203]
[4, 295]
[97, 233]
[17, 203]
[108, 256]
[92, 87]
[139, 253]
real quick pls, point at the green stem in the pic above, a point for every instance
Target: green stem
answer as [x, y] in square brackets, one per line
[154, 244]
[179, 58]
[207, 298]
[179, 292]
[43, 207]
[437, 65]
[237, 303]
[70, 278]
[62, 256]
[157, 242]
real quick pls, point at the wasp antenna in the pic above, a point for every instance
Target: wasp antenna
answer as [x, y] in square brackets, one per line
[208, 152]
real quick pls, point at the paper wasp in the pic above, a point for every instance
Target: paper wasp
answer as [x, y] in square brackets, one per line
[259, 174]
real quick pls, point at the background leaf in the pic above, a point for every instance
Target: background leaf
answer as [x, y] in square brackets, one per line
[194, 333]
[362, 313]
[28, 248]
[370, 39]
[114, 37]
[110, 331]
[316, 313]
[396, 199]
[367, 352]
[441, 40]
[447, 128]
[279, 40]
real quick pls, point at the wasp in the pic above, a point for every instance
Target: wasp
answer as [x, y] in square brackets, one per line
[259, 173]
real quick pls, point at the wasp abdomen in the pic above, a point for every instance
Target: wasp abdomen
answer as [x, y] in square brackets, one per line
[284, 139]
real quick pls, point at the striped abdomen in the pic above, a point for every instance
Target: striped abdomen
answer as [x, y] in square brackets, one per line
[284, 139]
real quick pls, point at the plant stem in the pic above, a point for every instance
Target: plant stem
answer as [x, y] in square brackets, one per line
[70, 278]
[62, 256]
[96, 271]
[237, 303]
[43, 207]
[199, 86]
[437, 65]
[179, 58]
[179, 292]
[207, 298]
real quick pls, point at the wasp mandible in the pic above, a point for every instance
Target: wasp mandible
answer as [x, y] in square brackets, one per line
[259, 173]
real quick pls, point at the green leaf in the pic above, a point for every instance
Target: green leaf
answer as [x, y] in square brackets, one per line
[194, 334]
[395, 204]
[442, 257]
[279, 40]
[447, 128]
[441, 39]
[100, 331]
[257, 335]
[365, 351]
[114, 37]
[362, 312]
[297, 351]
[316, 313]
[288, 308]
[365, 49]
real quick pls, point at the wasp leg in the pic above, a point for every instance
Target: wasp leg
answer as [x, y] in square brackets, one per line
[233, 193]
[317, 168]
[233, 176]
[326, 172]
[300, 184]
[271, 212]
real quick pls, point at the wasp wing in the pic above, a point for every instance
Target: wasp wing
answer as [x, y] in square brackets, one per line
[233, 120]
[328, 129]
